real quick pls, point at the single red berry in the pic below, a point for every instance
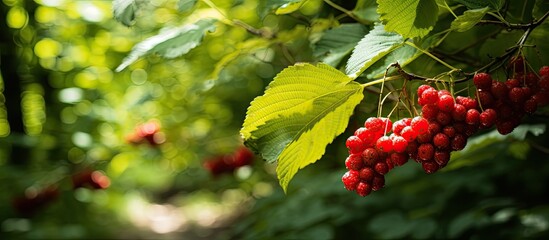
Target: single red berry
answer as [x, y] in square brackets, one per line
[354, 162]
[399, 144]
[374, 124]
[488, 118]
[430, 96]
[434, 128]
[425, 151]
[485, 98]
[499, 90]
[409, 134]
[378, 182]
[441, 141]
[367, 136]
[381, 168]
[386, 125]
[363, 189]
[516, 64]
[544, 71]
[531, 80]
[442, 158]
[505, 127]
[458, 142]
[354, 144]
[450, 131]
[384, 144]
[482, 80]
[467, 102]
[544, 82]
[399, 159]
[542, 98]
[443, 92]
[424, 138]
[517, 95]
[530, 106]
[367, 174]
[420, 125]
[512, 83]
[422, 89]
[370, 156]
[429, 111]
[446, 103]
[473, 117]
[459, 113]
[429, 167]
[444, 118]
[350, 180]
[398, 126]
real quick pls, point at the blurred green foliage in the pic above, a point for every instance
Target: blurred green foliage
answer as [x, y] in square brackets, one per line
[64, 109]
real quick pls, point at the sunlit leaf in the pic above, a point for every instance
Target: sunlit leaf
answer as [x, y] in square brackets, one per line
[475, 4]
[186, 5]
[468, 19]
[289, 7]
[170, 43]
[301, 112]
[402, 55]
[124, 11]
[409, 18]
[376, 44]
[338, 42]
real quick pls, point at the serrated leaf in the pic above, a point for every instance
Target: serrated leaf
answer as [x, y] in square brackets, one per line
[475, 4]
[186, 5]
[409, 18]
[124, 11]
[301, 112]
[289, 7]
[170, 43]
[469, 19]
[338, 42]
[367, 10]
[402, 55]
[376, 44]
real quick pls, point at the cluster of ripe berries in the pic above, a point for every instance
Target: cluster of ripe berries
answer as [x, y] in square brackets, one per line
[444, 126]
[147, 132]
[228, 163]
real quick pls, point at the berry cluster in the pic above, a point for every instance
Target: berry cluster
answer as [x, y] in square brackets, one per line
[33, 200]
[228, 163]
[445, 124]
[147, 132]
[508, 102]
[90, 179]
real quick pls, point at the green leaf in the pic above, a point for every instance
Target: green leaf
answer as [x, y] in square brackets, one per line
[475, 4]
[301, 112]
[338, 42]
[170, 43]
[289, 7]
[540, 8]
[367, 10]
[409, 18]
[186, 5]
[124, 11]
[376, 44]
[403, 55]
[469, 19]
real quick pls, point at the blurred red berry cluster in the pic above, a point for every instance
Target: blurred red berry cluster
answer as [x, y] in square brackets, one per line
[227, 163]
[147, 132]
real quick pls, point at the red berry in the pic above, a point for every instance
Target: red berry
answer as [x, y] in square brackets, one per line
[542, 98]
[517, 64]
[354, 162]
[449, 131]
[442, 158]
[488, 118]
[350, 180]
[530, 106]
[505, 127]
[429, 167]
[420, 125]
[429, 111]
[354, 144]
[399, 144]
[434, 128]
[499, 90]
[446, 103]
[459, 113]
[386, 125]
[367, 136]
[444, 118]
[363, 189]
[370, 156]
[430, 96]
[443, 92]
[473, 117]
[467, 102]
[544, 71]
[378, 182]
[367, 174]
[381, 168]
[424, 138]
[458, 142]
[482, 80]
[425, 151]
[485, 98]
[422, 89]
[517, 95]
[398, 126]
[409, 134]
[374, 124]
[441, 141]
[399, 159]
[544, 82]
[384, 144]
[531, 80]
[512, 83]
